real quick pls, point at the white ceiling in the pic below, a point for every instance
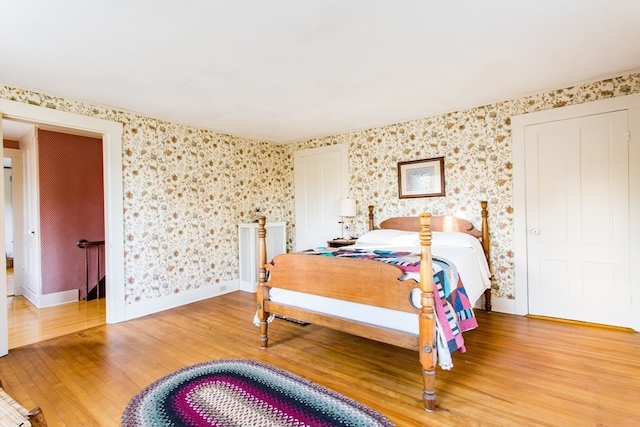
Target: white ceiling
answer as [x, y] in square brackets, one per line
[14, 130]
[288, 70]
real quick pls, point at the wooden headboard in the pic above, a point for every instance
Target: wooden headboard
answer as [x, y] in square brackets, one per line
[440, 223]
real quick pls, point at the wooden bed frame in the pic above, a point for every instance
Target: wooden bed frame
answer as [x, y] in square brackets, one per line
[367, 282]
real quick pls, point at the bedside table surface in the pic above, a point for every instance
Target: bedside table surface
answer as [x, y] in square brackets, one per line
[336, 243]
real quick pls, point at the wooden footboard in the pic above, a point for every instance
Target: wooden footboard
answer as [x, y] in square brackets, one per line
[355, 280]
[13, 413]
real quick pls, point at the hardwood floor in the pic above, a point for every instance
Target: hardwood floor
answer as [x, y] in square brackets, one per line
[10, 289]
[28, 324]
[516, 371]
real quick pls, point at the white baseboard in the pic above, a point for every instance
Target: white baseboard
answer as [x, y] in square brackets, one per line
[503, 305]
[32, 297]
[248, 286]
[49, 300]
[168, 302]
[499, 305]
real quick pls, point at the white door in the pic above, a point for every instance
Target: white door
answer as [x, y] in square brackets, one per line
[321, 179]
[18, 217]
[577, 218]
[31, 237]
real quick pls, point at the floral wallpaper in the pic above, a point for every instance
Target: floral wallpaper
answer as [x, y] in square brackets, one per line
[476, 144]
[186, 189]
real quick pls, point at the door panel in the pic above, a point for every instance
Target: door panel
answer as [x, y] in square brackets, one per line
[321, 179]
[31, 240]
[577, 207]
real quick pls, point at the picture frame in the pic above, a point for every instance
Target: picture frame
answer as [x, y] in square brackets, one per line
[421, 178]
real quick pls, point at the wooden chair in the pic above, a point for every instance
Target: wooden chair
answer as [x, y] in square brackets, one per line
[14, 414]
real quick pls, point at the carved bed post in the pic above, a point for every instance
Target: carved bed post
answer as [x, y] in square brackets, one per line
[371, 224]
[263, 291]
[427, 321]
[486, 245]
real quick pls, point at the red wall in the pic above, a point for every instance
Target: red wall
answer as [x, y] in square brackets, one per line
[71, 209]
[6, 143]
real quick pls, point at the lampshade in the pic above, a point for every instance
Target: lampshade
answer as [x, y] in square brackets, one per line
[347, 207]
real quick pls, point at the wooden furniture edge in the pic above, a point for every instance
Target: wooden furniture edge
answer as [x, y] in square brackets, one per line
[365, 330]
[370, 286]
[35, 416]
[485, 239]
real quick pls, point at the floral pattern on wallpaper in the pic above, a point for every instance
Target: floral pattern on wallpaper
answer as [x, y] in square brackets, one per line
[186, 189]
[476, 144]
[184, 192]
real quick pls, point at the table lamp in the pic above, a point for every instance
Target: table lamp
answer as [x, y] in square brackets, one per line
[347, 210]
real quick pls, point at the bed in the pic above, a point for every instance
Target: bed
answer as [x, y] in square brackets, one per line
[379, 300]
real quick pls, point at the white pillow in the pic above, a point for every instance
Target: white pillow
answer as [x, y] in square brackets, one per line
[389, 237]
[441, 238]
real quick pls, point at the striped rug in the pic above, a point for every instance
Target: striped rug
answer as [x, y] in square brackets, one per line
[243, 393]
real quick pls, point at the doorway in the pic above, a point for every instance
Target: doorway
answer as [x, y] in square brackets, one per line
[111, 134]
[67, 205]
[8, 224]
[13, 220]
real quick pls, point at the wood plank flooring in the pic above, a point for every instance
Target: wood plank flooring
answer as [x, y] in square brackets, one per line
[28, 324]
[517, 371]
[10, 283]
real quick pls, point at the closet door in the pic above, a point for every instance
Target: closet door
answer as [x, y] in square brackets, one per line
[577, 213]
[321, 179]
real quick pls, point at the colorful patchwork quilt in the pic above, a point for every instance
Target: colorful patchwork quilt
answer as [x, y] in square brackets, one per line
[453, 307]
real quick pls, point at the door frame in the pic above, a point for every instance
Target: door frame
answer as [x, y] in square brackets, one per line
[111, 134]
[631, 103]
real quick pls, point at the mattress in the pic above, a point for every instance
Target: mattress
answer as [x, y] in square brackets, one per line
[463, 250]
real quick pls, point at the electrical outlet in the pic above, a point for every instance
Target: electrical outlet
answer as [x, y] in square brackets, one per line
[223, 288]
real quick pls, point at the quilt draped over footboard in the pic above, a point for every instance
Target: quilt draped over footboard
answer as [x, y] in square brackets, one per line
[454, 312]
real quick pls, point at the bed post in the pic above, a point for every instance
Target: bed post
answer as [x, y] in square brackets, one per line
[262, 291]
[427, 321]
[371, 225]
[486, 245]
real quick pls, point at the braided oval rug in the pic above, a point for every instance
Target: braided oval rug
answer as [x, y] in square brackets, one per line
[243, 393]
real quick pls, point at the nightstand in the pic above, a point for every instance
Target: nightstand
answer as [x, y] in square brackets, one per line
[337, 243]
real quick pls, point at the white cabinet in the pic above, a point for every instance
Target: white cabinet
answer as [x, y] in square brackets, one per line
[248, 238]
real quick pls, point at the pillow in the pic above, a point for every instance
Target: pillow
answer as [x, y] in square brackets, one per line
[458, 239]
[450, 238]
[389, 237]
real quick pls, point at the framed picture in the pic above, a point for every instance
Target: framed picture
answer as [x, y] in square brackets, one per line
[421, 178]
